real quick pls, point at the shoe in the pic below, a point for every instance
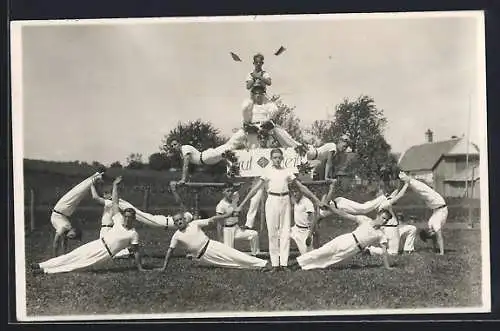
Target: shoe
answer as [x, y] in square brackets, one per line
[275, 269]
[230, 156]
[35, 266]
[294, 266]
[408, 252]
[267, 267]
[37, 272]
[233, 171]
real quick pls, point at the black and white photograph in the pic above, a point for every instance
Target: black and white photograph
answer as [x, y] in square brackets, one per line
[250, 166]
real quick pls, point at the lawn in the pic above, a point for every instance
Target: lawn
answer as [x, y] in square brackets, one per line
[421, 280]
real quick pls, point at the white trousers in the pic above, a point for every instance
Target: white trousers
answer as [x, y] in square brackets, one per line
[123, 252]
[221, 255]
[67, 204]
[394, 239]
[299, 236]
[231, 234]
[278, 215]
[438, 218]
[356, 208]
[238, 139]
[253, 208]
[86, 255]
[336, 250]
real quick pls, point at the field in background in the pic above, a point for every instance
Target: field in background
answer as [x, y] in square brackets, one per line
[50, 180]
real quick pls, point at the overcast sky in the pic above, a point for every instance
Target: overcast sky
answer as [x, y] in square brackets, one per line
[103, 91]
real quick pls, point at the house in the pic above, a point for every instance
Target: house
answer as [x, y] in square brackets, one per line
[451, 166]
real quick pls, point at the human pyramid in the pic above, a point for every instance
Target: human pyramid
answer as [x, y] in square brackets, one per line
[376, 236]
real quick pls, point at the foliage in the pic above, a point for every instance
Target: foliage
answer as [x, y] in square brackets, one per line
[134, 161]
[364, 125]
[199, 134]
[159, 161]
[286, 118]
[116, 164]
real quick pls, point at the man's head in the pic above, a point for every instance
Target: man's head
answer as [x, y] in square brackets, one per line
[296, 193]
[258, 94]
[74, 234]
[383, 216]
[128, 217]
[180, 221]
[174, 147]
[342, 143]
[276, 156]
[228, 191]
[258, 61]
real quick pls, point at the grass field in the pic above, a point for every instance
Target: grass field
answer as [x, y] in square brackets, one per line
[421, 280]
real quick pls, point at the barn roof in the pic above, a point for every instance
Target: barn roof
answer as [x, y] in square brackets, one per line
[425, 156]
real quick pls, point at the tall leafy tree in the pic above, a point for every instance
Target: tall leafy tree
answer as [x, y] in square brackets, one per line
[364, 125]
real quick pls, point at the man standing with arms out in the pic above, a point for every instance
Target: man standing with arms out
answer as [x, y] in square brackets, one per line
[63, 210]
[437, 204]
[347, 245]
[231, 229]
[121, 236]
[204, 250]
[303, 214]
[278, 208]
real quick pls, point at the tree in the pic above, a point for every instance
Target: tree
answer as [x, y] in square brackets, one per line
[134, 161]
[159, 161]
[116, 164]
[364, 126]
[285, 118]
[98, 165]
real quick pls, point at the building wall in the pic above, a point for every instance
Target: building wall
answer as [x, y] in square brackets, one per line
[457, 190]
[448, 167]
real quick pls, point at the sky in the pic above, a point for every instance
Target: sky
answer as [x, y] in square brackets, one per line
[102, 91]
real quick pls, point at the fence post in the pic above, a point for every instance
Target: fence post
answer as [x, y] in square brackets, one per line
[145, 201]
[197, 202]
[32, 210]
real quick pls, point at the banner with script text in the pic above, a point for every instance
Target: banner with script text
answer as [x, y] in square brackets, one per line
[253, 162]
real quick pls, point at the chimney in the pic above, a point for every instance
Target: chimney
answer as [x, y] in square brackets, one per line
[428, 135]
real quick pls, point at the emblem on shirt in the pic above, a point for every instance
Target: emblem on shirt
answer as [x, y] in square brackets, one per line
[263, 162]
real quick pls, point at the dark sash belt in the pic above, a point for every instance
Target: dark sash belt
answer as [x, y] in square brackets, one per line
[57, 212]
[440, 207]
[357, 241]
[278, 194]
[302, 227]
[231, 225]
[201, 158]
[203, 250]
[106, 226]
[107, 247]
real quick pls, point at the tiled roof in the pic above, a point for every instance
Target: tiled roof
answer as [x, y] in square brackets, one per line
[425, 156]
